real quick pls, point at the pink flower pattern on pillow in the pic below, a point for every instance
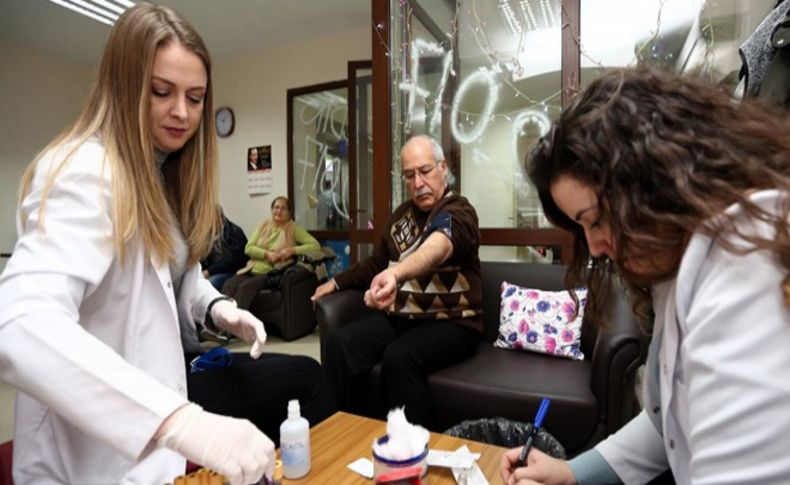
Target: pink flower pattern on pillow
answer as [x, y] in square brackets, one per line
[540, 321]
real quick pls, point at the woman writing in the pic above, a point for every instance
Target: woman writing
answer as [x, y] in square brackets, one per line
[686, 196]
[103, 291]
[271, 248]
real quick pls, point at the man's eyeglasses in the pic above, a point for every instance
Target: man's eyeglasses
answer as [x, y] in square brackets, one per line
[424, 171]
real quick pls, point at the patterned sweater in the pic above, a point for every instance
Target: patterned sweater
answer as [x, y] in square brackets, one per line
[450, 291]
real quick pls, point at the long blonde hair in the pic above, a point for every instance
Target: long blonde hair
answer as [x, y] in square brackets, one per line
[118, 113]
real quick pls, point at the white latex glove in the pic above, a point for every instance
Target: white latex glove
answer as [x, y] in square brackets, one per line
[229, 446]
[240, 323]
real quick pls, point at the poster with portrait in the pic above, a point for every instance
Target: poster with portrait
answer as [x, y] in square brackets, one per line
[259, 170]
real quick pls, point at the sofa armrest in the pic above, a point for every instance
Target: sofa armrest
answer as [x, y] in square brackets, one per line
[338, 308]
[619, 350]
[296, 274]
[288, 307]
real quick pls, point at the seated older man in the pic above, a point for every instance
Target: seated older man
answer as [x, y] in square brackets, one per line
[425, 277]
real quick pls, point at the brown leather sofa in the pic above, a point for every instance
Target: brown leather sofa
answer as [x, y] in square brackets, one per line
[589, 399]
[287, 311]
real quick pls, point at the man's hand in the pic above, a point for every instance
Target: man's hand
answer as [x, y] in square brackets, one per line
[240, 323]
[323, 290]
[383, 290]
[205, 273]
[540, 468]
[229, 446]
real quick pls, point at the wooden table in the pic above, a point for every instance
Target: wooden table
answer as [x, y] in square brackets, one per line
[343, 438]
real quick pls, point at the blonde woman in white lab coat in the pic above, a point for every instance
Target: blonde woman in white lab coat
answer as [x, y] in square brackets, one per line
[686, 196]
[104, 282]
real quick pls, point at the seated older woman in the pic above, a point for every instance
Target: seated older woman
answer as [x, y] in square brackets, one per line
[271, 248]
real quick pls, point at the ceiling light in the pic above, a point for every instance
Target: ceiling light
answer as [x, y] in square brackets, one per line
[548, 14]
[104, 11]
[544, 8]
[529, 15]
[509, 18]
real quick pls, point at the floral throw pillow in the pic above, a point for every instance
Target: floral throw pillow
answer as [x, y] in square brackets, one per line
[540, 321]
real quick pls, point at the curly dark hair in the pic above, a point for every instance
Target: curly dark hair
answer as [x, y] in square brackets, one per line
[664, 154]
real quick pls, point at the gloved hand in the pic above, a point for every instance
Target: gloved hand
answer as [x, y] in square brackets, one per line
[240, 323]
[229, 446]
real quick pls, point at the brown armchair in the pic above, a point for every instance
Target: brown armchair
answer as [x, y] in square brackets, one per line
[590, 398]
[287, 311]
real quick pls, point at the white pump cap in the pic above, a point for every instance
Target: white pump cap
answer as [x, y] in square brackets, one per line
[293, 408]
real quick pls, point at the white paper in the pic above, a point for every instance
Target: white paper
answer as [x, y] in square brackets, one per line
[259, 183]
[363, 466]
[470, 476]
[452, 459]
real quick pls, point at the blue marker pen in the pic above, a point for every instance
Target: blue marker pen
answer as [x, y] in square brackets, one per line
[544, 407]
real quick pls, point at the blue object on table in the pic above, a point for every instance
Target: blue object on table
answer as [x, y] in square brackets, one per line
[214, 358]
[542, 410]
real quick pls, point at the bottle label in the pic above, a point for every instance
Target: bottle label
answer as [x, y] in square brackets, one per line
[294, 452]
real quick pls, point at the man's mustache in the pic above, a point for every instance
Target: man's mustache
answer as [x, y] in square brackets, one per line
[423, 191]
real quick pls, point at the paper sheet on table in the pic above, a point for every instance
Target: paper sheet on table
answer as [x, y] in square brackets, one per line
[470, 476]
[363, 466]
[452, 459]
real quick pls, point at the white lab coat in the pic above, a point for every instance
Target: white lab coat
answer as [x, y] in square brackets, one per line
[719, 412]
[92, 345]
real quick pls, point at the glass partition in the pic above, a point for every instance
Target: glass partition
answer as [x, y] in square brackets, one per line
[363, 150]
[486, 79]
[319, 165]
[690, 36]
[488, 75]
[483, 79]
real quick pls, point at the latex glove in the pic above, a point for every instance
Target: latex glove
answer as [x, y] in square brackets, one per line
[229, 446]
[240, 323]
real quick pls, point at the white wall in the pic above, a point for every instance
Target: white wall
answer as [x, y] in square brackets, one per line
[255, 87]
[40, 95]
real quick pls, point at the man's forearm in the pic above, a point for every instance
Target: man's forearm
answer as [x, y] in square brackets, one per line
[433, 252]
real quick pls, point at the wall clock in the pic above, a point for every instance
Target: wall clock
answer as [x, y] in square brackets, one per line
[224, 121]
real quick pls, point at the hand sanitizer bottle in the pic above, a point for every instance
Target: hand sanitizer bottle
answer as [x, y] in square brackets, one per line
[295, 443]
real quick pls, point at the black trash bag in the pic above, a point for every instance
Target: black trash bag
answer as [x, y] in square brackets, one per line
[506, 433]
